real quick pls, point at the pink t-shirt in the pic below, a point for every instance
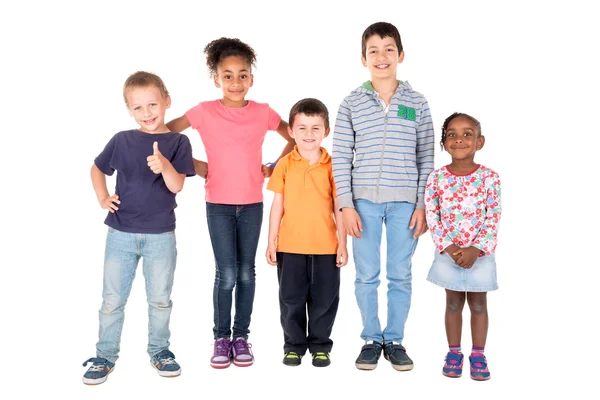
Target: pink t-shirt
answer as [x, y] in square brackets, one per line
[233, 139]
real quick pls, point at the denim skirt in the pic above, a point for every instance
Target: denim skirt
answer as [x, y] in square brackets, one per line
[481, 277]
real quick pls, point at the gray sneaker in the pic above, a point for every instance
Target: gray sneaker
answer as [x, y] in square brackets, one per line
[368, 357]
[396, 355]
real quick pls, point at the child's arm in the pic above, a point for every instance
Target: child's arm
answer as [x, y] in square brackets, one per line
[104, 199]
[487, 236]
[342, 250]
[179, 125]
[424, 153]
[441, 236]
[160, 165]
[282, 129]
[274, 224]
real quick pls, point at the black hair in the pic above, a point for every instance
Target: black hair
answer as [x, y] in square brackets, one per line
[457, 115]
[219, 49]
[383, 30]
[309, 107]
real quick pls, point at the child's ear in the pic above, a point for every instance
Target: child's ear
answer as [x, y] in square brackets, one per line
[290, 132]
[364, 61]
[401, 57]
[480, 142]
[168, 102]
[326, 132]
[251, 80]
[216, 79]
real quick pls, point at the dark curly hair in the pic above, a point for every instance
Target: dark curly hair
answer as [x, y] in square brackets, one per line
[456, 115]
[217, 50]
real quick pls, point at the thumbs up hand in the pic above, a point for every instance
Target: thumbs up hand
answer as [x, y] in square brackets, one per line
[157, 162]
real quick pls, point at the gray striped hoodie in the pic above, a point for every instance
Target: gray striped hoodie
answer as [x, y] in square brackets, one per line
[382, 156]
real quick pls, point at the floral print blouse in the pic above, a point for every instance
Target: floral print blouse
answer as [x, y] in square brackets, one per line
[463, 210]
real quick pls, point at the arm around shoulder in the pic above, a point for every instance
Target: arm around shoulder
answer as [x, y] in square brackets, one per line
[179, 124]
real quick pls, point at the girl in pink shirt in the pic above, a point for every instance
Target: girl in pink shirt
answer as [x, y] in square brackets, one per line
[462, 202]
[232, 130]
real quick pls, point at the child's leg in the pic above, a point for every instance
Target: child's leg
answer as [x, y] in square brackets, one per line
[455, 302]
[400, 248]
[323, 300]
[249, 222]
[222, 229]
[293, 292]
[120, 262]
[479, 317]
[160, 255]
[367, 260]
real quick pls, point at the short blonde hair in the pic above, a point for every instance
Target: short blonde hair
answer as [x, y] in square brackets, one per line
[143, 79]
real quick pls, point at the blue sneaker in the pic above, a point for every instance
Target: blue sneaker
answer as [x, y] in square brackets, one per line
[368, 357]
[97, 373]
[165, 364]
[453, 365]
[479, 367]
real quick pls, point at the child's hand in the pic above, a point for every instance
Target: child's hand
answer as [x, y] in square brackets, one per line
[157, 162]
[418, 219]
[109, 203]
[342, 256]
[453, 251]
[271, 256]
[352, 222]
[467, 257]
[267, 171]
[201, 168]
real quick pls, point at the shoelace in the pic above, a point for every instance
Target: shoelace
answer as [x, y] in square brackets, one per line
[98, 364]
[242, 347]
[221, 349]
[167, 361]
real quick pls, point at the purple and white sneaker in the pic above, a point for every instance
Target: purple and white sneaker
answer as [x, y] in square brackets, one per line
[242, 355]
[221, 354]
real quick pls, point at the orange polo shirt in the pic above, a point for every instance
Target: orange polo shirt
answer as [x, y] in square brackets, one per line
[307, 225]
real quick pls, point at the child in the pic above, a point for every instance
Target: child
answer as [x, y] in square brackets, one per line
[232, 130]
[151, 164]
[463, 212]
[309, 252]
[382, 155]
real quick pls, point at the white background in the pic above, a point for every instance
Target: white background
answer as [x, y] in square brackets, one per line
[528, 71]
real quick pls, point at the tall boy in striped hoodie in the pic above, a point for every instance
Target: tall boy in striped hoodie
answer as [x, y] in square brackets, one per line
[382, 155]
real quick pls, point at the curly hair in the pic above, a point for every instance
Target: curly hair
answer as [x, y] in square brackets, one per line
[219, 49]
[457, 115]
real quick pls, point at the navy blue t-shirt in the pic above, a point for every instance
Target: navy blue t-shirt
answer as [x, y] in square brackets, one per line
[147, 205]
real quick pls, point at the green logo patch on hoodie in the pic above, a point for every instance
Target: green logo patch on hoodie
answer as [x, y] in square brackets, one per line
[408, 113]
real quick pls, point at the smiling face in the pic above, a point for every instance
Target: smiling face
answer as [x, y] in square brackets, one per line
[463, 139]
[308, 131]
[148, 106]
[234, 78]
[382, 57]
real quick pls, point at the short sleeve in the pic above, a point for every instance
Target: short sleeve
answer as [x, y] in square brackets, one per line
[274, 120]
[277, 179]
[194, 116]
[182, 157]
[104, 161]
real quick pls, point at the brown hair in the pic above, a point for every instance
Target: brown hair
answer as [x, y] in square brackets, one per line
[310, 107]
[144, 79]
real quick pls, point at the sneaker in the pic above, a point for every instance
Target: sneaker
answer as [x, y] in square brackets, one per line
[368, 357]
[396, 355]
[242, 355]
[453, 364]
[320, 359]
[165, 364]
[479, 368]
[292, 359]
[221, 354]
[98, 372]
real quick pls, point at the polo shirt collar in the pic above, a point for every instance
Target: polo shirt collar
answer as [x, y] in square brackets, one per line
[325, 157]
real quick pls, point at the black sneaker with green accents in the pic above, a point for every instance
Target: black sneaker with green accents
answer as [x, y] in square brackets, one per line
[292, 359]
[320, 359]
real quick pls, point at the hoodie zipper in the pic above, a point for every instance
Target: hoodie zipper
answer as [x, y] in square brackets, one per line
[385, 119]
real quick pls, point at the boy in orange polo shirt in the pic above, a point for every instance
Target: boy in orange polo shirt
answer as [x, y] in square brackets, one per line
[304, 241]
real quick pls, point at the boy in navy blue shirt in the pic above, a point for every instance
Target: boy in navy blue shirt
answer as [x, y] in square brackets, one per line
[151, 164]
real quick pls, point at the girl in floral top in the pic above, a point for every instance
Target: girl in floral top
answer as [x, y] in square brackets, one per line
[462, 202]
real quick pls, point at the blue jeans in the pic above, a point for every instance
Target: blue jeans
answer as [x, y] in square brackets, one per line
[123, 251]
[367, 258]
[234, 232]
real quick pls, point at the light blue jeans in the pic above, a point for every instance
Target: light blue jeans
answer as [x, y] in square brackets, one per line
[367, 258]
[123, 251]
